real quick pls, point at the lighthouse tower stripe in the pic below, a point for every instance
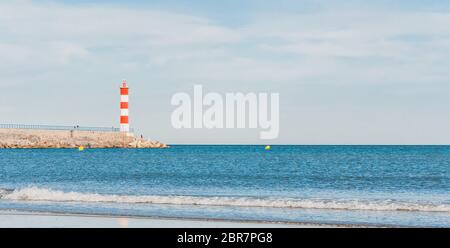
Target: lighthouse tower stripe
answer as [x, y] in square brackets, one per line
[124, 124]
[124, 112]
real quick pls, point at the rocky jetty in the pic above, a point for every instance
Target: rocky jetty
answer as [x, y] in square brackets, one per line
[24, 138]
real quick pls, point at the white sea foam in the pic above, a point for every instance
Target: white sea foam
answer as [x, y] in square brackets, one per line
[4, 192]
[42, 194]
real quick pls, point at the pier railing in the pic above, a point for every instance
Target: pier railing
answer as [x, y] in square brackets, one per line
[60, 128]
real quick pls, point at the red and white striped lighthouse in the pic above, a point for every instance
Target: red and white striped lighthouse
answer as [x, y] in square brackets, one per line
[124, 124]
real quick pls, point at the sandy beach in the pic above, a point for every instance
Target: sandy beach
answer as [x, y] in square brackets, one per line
[14, 219]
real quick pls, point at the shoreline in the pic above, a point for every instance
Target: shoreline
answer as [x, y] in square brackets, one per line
[28, 219]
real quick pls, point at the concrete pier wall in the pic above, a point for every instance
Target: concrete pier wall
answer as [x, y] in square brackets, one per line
[26, 138]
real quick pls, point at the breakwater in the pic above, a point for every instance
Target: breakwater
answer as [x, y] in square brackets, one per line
[33, 138]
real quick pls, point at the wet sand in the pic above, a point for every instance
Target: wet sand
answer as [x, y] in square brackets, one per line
[13, 219]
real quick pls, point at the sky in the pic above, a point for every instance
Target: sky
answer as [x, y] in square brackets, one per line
[348, 72]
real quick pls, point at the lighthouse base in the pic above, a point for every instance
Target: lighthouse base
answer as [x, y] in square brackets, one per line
[128, 134]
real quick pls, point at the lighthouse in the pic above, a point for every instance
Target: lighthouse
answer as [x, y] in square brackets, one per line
[124, 124]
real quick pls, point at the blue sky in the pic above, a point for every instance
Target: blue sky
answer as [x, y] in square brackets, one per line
[349, 72]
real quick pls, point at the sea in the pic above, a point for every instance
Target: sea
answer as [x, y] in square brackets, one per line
[393, 186]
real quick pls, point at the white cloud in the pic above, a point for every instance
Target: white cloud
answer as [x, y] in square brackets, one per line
[39, 35]
[99, 25]
[352, 34]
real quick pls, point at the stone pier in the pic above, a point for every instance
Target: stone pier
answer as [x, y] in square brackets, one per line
[32, 138]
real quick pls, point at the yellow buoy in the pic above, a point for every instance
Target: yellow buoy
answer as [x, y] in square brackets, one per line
[267, 148]
[81, 148]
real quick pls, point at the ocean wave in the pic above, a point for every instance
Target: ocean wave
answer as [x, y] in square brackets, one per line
[43, 194]
[4, 192]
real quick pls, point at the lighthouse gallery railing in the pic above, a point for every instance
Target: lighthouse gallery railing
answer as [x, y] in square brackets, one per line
[59, 128]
